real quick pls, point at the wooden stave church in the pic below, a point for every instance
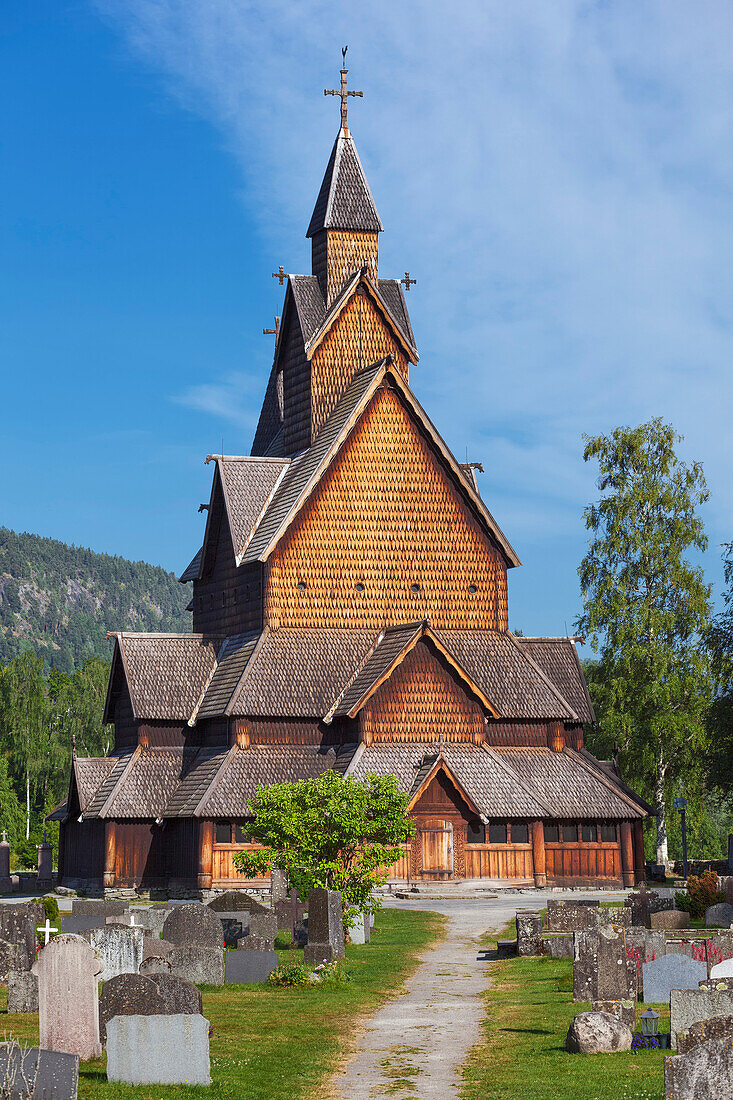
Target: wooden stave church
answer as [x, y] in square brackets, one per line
[349, 611]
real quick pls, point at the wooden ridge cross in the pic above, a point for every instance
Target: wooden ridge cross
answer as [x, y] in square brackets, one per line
[344, 92]
[407, 281]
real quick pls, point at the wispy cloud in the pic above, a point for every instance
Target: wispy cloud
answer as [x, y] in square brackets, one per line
[558, 177]
[234, 398]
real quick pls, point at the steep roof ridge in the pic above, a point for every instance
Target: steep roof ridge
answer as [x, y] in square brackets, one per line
[344, 203]
[205, 688]
[540, 673]
[506, 766]
[411, 630]
[329, 715]
[222, 461]
[617, 786]
[339, 304]
[246, 671]
[428, 770]
[117, 786]
[214, 780]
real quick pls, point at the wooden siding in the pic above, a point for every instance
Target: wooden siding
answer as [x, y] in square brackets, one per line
[223, 871]
[499, 861]
[423, 700]
[569, 862]
[289, 731]
[296, 378]
[516, 733]
[387, 517]
[338, 254]
[360, 336]
[83, 855]
[149, 854]
[126, 732]
[228, 599]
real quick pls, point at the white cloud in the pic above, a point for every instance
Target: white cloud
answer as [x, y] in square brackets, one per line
[235, 398]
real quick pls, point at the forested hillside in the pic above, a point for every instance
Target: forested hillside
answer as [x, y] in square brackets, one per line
[59, 601]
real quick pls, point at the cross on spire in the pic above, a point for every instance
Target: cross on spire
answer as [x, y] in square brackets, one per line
[344, 92]
[280, 274]
[407, 281]
[272, 331]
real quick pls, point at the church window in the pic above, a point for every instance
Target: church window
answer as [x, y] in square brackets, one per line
[472, 589]
[301, 586]
[359, 587]
[520, 832]
[223, 832]
[569, 832]
[608, 832]
[475, 833]
[497, 832]
[588, 832]
[240, 836]
[552, 833]
[415, 588]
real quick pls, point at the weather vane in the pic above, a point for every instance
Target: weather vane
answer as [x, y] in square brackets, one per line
[343, 91]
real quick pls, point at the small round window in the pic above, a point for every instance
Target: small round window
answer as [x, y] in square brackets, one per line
[359, 587]
[472, 589]
[415, 588]
[301, 586]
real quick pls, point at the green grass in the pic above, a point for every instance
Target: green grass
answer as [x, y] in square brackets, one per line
[270, 1043]
[522, 1055]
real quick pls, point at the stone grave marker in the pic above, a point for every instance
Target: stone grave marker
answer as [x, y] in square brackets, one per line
[179, 996]
[572, 916]
[643, 903]
[716, 1027]
[290, 911]
[661, 976]
[200, 965]
[13, 956]
[325, 927]
[255, 943]
[153, 947]
[558, 945]
[234, 901]
[529, 932]
[597, 1033]
[359, 929]
[68, 1003]
[263, 925]
[705, 1073]
[156, 964]
[70, 922]
[51, 1075]
[234, 926]
[98, 907]
[151, 920]
[602, 970]
[722, 969]
[717, 983]
[18, 926]
[622, 1010]
[128, 995]
[22, 991]
[690, 1006]
[194, 925]
[620, 915]
[158, 1050]
[250, 966]
[719, 916]
[669, 920]
[121, 949]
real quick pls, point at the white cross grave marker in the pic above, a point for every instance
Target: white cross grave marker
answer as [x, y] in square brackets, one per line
[47, 929]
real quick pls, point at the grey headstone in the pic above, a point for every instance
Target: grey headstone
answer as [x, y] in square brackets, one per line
[250, 966]
[278, 884]
[263, 925]
[152, 919]
[68, 970]
[643, 903]
[622, 1010]
[121, 949]
[597, 1033]
[568, 916]
[234, 926]
[234, 901]
[558, 946]
[70, 922]
[22, 991]
[719, 916]
[56, 1075]
[155, 947]
[18, 925]
[706, 1073]
[158, 1050]
[716, 1027]
[128, 995]
[179, 996]
[669, 920]
[194, 925]
[717, 983]
[156, 964]
[690, 1006]
[661, 976]
[325, 920]
[722, 969]
[98, 907]
[13, 956]
[602, 970]
[529, 932]
[316, 953]
[357, 929]
[620, 915]
[200, 965]
[254, 943]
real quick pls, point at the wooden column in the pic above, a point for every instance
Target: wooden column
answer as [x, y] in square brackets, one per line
[639, 859]
[538, 853]
[627, 854]
[206, 854]
[110, 854]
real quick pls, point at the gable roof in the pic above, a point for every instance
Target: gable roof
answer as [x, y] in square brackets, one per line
[306, 470]
[165, 673]
[558, 658]
[248, 485]
[395, 322]
[233, 659]
[193, 569]
[344, 200]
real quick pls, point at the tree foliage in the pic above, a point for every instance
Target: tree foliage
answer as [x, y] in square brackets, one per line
[647, 608]
[332, 831]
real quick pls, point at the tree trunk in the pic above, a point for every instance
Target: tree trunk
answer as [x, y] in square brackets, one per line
[27, 805]
[659, 806]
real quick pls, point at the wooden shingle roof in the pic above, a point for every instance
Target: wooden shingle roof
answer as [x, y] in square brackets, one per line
[558, 659]
[248, 485]
[344, 200]
[165, 673]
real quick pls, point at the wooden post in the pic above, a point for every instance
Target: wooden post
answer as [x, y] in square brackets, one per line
[627, 854]
[110, 854]
[639, 860]
[538, 853]
[206, 854]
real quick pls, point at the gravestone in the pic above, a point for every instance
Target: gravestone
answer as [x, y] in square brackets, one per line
[179, 996]
[722, 969]
[121, 949]
[6, 882]
[22, 991]
[263, 925]
[235, 901]
[717, 983]
[153, 947]
[156, 964]
[194, 925]
[151, 920]
[602, 971]
[250, 966]
[200, 965]
[643, 944]
[690, 1006]
[572, 916]
[669, 920]
[325, 927]
[13, 956]
[359, 929]
[643, 903]
[255, 943]
[716, 1027]
[98, 907]
[597, 1033]
[529, 932]
[54, 1076]
[278, 885]
[719, 947]
[719, 916]
[234, 926]
[128, 995]
[68, 970]
[290, 911]
[18, 926]
[661, 976]
[622, 1010]
[620, 915]
[158, 1050]
[558, 945]
[705, 1073]
[70, 922]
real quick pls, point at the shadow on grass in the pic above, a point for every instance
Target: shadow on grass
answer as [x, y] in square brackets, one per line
[527, 1030]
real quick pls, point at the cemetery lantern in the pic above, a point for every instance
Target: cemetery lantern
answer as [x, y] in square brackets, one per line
[649, 1021]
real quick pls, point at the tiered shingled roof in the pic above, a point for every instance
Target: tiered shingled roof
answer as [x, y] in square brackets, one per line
[558, 659]
[344, 200]
[165, 673]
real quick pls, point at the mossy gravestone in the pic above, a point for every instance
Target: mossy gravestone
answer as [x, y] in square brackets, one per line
[706, 1073]
[193, 925]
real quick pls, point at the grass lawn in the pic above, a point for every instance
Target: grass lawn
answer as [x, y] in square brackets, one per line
[270, 1043]
[522, 1055]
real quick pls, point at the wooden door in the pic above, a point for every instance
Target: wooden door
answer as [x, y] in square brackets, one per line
[437, 848]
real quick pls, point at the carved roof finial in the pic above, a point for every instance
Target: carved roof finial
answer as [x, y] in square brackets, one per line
[343, 92]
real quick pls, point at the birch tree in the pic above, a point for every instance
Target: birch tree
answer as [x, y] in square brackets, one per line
[647, 607]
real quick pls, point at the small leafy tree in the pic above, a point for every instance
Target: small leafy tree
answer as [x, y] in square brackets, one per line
[647, 608]
[332, 831]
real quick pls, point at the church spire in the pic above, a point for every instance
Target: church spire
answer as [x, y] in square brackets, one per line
[345, 222]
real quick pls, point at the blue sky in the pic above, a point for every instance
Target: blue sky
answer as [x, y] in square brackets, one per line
[556, 176]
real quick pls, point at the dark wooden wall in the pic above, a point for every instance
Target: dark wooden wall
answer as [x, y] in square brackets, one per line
[150, 854]
[83, 855]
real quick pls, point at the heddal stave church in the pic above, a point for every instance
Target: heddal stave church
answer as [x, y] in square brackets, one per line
[349, 613]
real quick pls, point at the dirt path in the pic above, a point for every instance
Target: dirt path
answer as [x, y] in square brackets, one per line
[414, 1046]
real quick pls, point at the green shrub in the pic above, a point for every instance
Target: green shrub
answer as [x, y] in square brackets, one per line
[51, 906]
[702, 892]
[293, 974]
[283, 940]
